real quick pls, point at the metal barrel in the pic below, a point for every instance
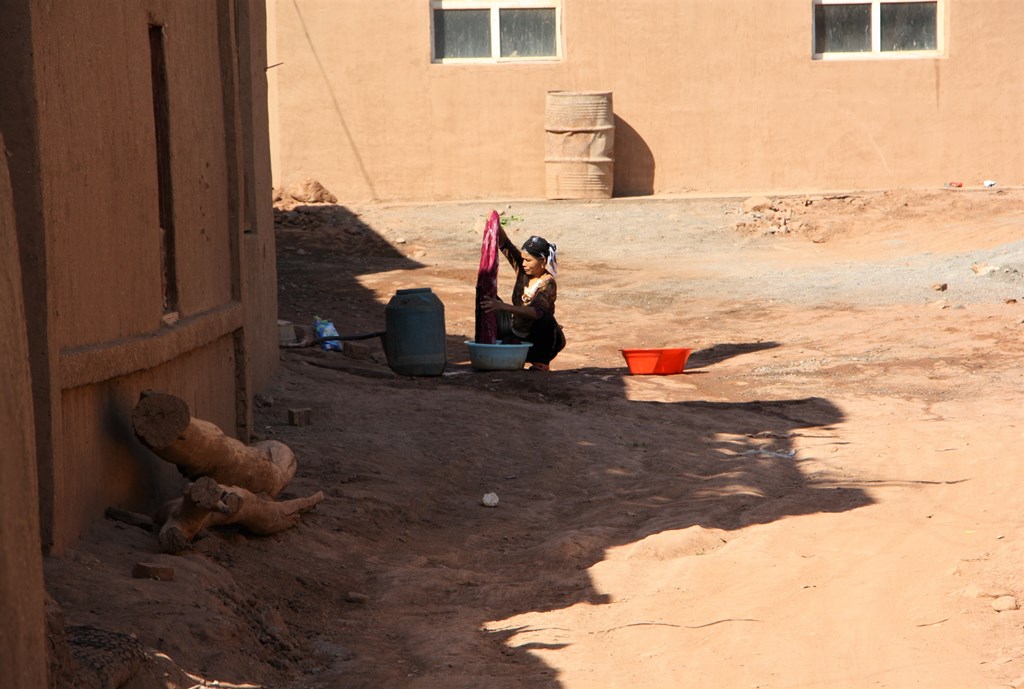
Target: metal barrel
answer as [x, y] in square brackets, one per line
[579, 145]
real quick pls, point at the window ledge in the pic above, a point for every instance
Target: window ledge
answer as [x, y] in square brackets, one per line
[886, 56]
[498, 61]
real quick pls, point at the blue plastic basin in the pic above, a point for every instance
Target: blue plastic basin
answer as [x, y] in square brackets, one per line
[498, 357]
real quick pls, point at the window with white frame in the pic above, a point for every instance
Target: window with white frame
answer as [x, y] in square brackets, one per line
[877, 28]
[495, 30]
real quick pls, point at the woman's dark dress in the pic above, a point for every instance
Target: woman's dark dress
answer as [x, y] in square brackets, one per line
[542, 332]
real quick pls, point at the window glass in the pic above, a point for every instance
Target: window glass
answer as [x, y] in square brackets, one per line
[842, 28]
[909, 25]
[527, 32]
[462, 33]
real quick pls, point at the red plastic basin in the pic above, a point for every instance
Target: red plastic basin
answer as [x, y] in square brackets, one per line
[660, 362]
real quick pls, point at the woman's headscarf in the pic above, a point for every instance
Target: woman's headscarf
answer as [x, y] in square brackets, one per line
[542, 248]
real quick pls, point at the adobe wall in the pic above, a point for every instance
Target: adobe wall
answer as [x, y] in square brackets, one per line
[108, 466]
[95, 240]
[19, 127]
[260, 258]
[100, 167]
[708, 101]
[22, 634]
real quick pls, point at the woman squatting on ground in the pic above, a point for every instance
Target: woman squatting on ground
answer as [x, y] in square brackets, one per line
[531, 315]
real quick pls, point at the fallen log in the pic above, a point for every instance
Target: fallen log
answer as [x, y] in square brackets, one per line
[206, 503]
[231, 482]
[199, 448]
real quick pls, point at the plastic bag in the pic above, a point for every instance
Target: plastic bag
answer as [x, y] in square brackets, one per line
[325, 328]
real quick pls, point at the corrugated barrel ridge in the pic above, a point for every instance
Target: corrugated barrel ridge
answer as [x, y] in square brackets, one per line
[589, 181]
[568, 111]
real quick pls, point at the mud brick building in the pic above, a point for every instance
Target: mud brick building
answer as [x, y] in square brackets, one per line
[137, 251]
[445, 99]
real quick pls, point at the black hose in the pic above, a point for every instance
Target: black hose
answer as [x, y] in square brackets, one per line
[332, 338]
[347, 338]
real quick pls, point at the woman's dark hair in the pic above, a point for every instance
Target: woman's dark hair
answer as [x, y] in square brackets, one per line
[537, 246]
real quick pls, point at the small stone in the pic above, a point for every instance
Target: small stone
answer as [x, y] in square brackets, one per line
[356, 597]
[757, 203]
[490, 500]
[148, 570]
[1005, 604]
[300, 417]
[940, 286]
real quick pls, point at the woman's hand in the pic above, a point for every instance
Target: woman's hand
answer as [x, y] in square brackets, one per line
[492, 304]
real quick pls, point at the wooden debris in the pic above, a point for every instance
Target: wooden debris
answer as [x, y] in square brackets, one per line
[232, 483]
[199, 448]
[206, 503]
[142, 521]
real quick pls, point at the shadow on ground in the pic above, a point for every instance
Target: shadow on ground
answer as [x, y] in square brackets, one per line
[717, 353]
[394, 580]
[579, 467]
[321, 252]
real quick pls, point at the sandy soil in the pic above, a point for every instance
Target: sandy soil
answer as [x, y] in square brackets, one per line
[828, 497]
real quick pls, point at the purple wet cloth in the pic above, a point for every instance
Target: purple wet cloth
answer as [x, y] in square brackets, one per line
[487, 282]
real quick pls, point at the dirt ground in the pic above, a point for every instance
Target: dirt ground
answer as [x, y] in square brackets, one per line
[829, 496]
